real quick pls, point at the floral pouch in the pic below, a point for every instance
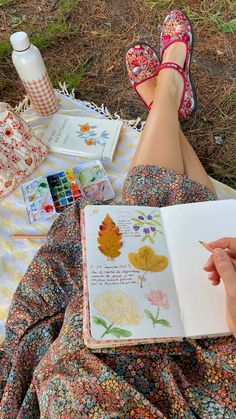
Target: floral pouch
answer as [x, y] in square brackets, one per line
[20, 150]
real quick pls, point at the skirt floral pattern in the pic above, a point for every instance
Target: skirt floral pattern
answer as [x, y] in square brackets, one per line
[47, 372]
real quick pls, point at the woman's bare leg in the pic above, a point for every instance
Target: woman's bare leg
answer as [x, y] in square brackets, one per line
[162, 142]
[193, 168]
[159, 142]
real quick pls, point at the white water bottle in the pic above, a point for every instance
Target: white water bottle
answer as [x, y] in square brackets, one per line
[32, 71]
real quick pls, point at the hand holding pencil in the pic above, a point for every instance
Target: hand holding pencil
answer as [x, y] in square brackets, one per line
[222, 265]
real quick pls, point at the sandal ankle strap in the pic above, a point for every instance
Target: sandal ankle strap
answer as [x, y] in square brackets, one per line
[173, 66]
[180, 70]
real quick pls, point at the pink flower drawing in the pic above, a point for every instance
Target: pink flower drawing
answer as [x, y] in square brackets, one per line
[158, 298]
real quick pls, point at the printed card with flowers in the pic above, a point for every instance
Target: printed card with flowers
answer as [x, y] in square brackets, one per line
[143, 272]
[85, 137]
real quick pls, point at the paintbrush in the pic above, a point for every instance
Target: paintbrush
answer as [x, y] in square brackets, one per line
[210, 250]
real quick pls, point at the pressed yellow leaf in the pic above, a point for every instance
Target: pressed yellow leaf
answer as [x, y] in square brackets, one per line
[145, 259]
[109, 238]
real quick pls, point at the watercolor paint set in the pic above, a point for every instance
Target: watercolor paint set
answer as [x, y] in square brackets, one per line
[48, 195]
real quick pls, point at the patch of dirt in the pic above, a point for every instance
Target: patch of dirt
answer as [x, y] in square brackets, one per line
[104, 29]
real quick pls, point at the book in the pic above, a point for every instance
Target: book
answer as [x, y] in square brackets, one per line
[143, 272]
[83, 136]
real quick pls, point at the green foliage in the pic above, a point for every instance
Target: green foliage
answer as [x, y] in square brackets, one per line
[229, 26]
[5, 3]
[210, 14]
[5, 48]
[67, 6]
[3, 83]
[73, 77]
[54, 30]
[18, 20]
[58, 28]
[40, 40]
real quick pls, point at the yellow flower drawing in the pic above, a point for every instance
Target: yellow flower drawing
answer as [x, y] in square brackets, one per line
[85, 128]
[118, 307]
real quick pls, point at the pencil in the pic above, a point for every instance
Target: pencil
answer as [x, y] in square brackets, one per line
[210, 250]
[28, 236]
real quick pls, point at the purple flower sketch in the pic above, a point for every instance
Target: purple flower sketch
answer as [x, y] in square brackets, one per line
[148, 224]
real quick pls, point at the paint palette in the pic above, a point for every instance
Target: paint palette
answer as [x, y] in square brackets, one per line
[45, 196]
[94, 182]
[64, 188]
[38, 199]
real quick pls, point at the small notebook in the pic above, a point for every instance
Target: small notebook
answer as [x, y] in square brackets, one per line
[143, 272]
[83, 136]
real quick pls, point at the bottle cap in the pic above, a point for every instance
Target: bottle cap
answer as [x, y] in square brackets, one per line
[20, 41]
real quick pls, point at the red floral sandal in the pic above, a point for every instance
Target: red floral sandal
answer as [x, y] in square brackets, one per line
[177, 28]
[142, 64]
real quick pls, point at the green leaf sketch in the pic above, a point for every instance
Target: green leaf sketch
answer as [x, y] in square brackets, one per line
[149, 315]
[140, 212]
[159, 299]
[110, 330]
[98, 320]
[120, 333]
[163, 322]
[147, 224]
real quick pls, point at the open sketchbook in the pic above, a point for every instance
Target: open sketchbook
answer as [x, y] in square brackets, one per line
[143, 272]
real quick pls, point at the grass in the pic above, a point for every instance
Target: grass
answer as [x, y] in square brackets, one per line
[3, 83]
[6, 3]
[57, 29]
[67, 6]
[5, 49]
[210, 14]
[40, 40]
[228, 103]
[71, 76]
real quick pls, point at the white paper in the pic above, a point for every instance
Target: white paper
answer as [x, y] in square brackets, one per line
[203, 306]
[120, 278]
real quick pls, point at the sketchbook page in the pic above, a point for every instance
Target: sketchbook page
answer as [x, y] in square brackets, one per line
[132, 293]
[202, 305]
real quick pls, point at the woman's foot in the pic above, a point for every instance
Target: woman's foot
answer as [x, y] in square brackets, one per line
[174, 53]
[176, 45]
[142, 65]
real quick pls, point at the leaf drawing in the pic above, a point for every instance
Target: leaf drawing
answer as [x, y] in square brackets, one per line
[98, 320]
[110, 330]
[145, 259]
[147, 224]
[109, 238]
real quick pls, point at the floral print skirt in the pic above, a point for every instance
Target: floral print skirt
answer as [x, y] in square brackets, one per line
[47, 372]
